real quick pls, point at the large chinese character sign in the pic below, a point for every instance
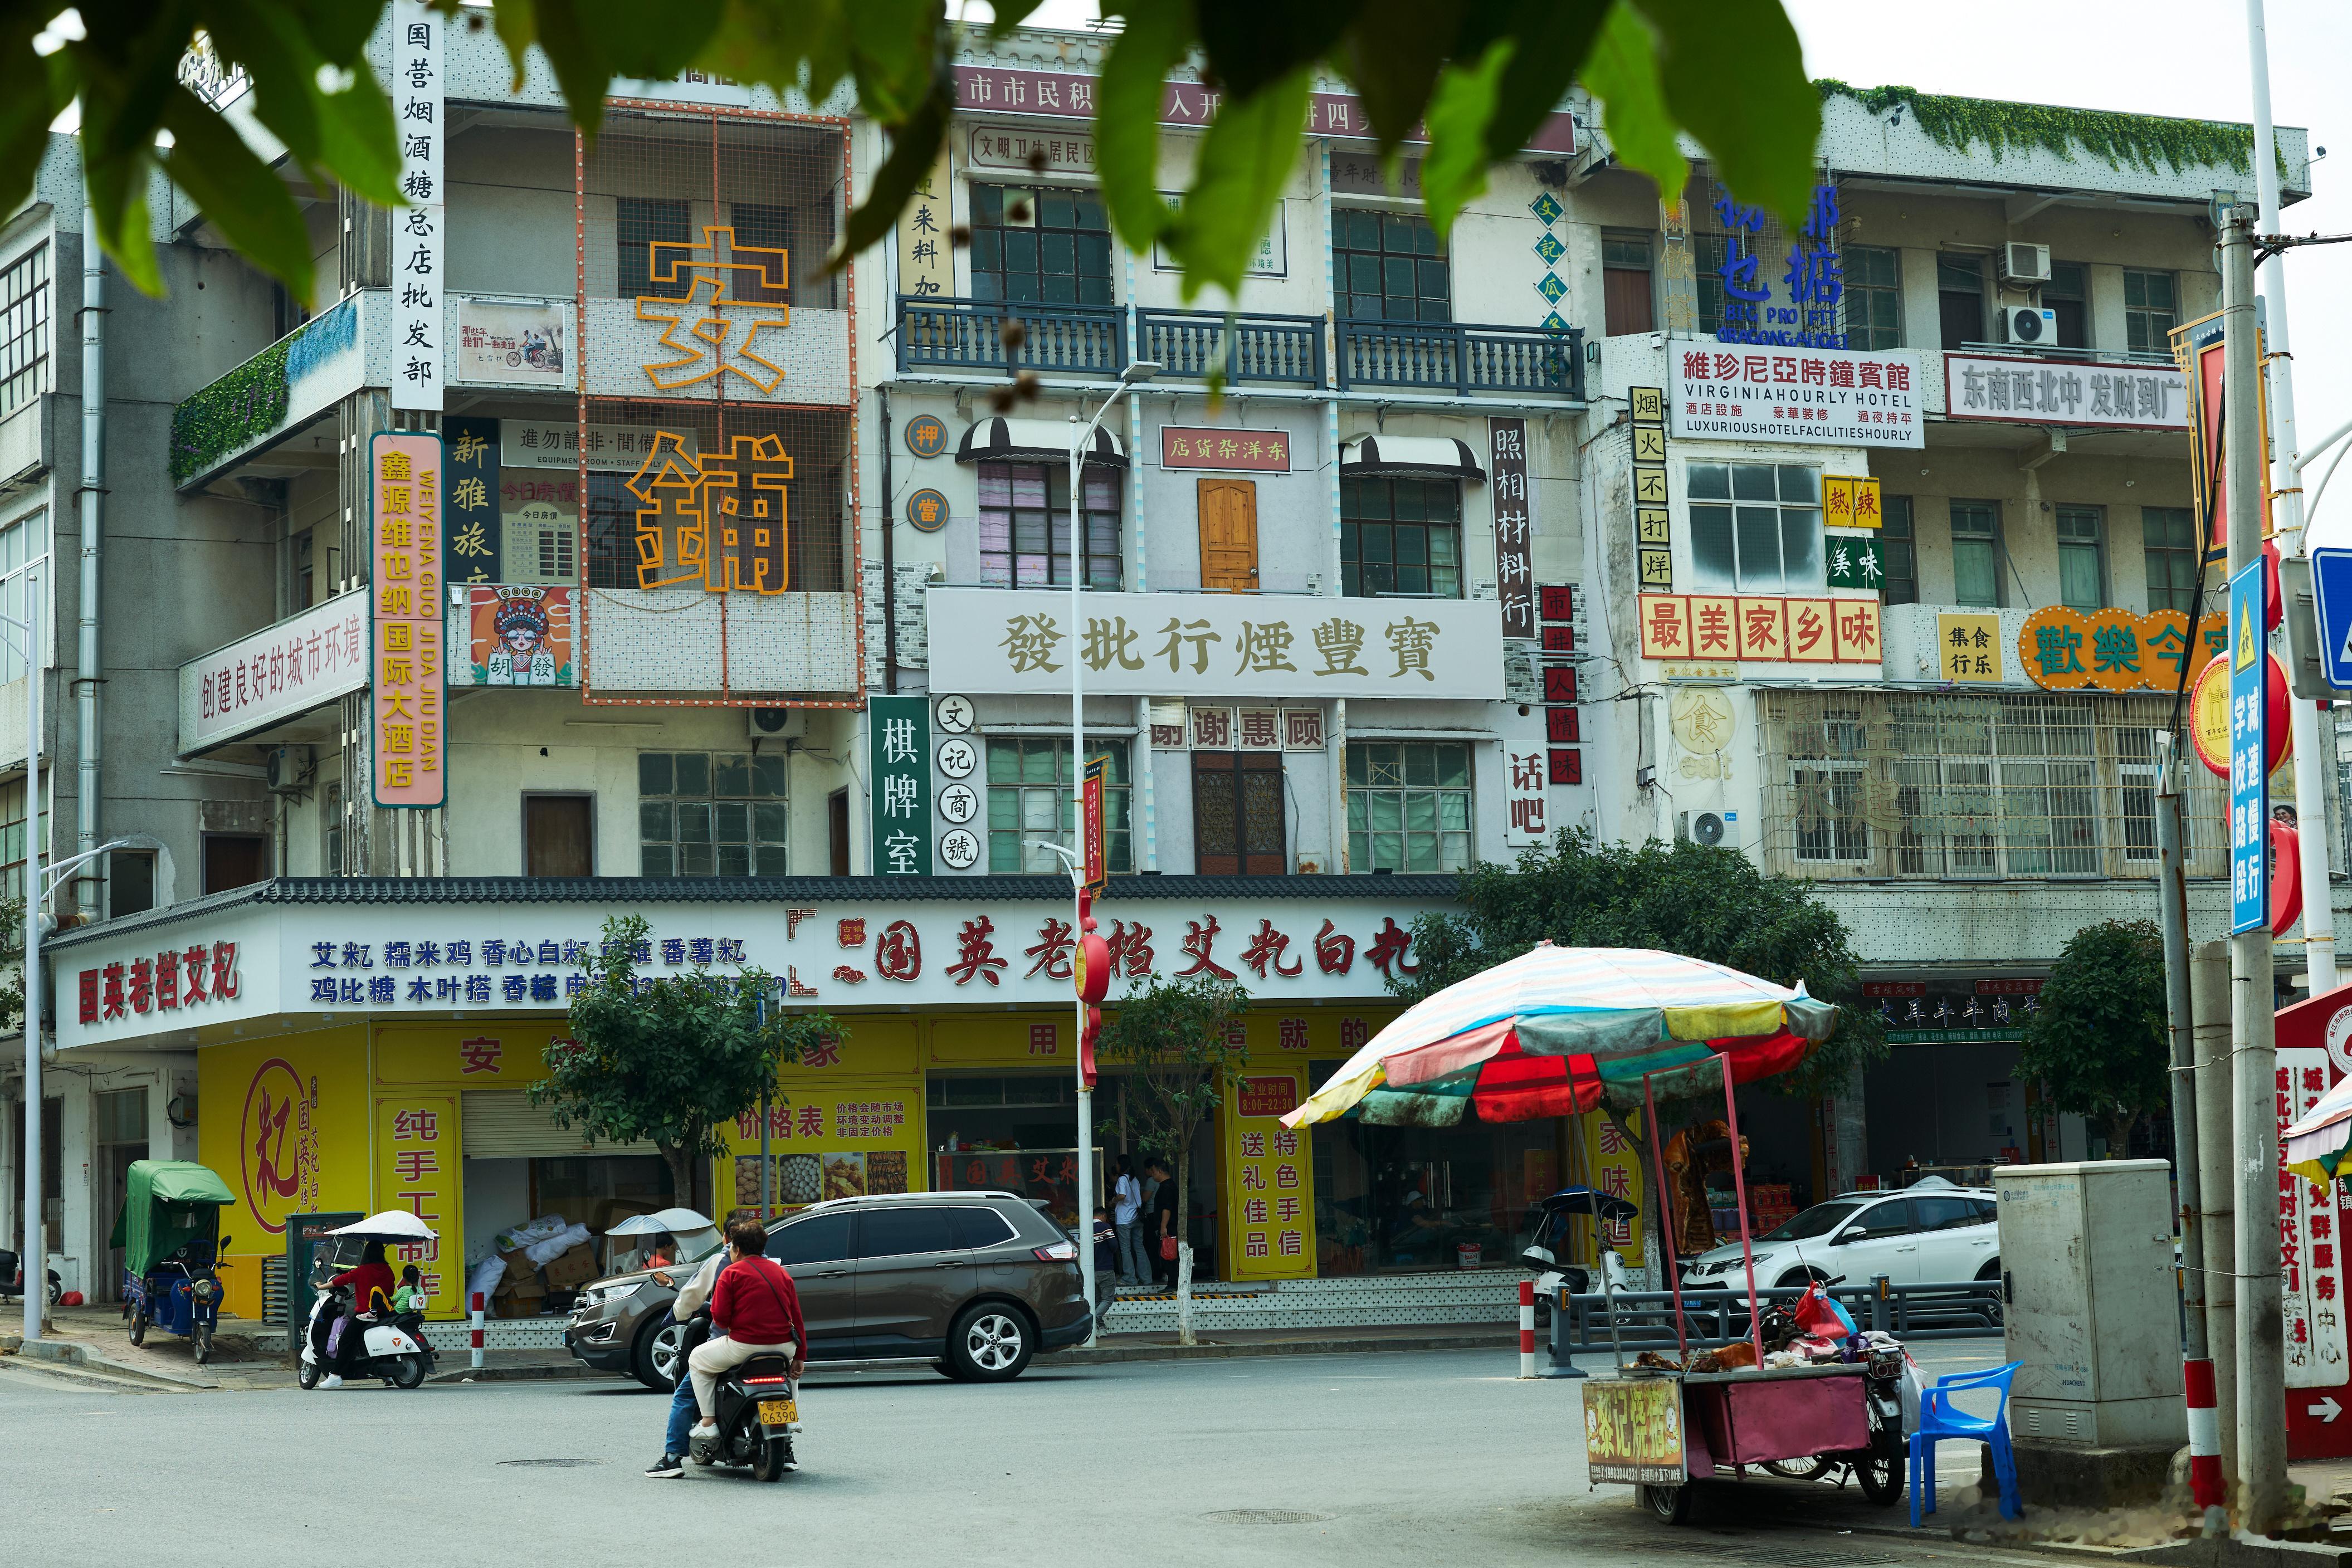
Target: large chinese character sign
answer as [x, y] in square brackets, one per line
[405, 737]
[719, 522]
[899, 742]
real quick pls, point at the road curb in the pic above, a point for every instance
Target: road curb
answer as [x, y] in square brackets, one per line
[520, 1374]
[1211, 1350]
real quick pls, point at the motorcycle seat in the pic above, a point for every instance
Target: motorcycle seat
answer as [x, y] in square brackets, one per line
[763, 1367]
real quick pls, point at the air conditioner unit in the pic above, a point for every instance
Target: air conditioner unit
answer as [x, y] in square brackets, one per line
[2021, 262]
[777, 722]
[2029, 326]
[288, 770]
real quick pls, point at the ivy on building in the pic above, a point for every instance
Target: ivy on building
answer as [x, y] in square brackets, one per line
[232, 412]
[2147, 142]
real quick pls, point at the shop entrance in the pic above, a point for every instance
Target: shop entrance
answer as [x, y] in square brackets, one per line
[1013, 1132]
[520, 1167]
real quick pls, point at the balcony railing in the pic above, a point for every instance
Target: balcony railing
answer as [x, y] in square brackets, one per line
[939, 333]
[1285, 351]
[1463, 359]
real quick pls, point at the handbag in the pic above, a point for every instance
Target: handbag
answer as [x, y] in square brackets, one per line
[1168, 1249]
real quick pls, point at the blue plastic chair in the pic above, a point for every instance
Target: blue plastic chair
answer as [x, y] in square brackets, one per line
[1940, 1417]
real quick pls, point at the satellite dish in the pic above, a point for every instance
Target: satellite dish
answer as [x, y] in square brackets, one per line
[1707, 829]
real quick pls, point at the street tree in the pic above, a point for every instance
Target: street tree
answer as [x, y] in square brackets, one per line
[2098, 1043]
[669, 1059]
[1179, 1046]
[1480, 77]
[1687, 898]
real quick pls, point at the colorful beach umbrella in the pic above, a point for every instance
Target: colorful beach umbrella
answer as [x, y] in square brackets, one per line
[1558, 1030]
[2317, 1145]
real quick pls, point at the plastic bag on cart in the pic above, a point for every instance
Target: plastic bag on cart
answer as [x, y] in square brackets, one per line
[1818, 1315]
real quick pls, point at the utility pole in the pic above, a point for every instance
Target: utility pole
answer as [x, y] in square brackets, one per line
[2209, 986]
[2205, 1484]
[2286, 484]
[2261, 1369]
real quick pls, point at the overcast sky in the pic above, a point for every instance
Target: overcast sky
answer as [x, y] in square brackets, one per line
[2154, 56]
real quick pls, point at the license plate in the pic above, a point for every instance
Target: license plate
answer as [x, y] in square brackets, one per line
[779, 1412]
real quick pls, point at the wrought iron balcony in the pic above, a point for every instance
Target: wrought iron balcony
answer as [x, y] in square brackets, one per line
[1462, 357]
[1285, 351]
[939, 333]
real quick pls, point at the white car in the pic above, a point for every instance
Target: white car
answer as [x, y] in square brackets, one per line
[1932, 1234]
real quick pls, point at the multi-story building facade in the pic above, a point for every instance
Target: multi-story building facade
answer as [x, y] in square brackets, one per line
[738, 593]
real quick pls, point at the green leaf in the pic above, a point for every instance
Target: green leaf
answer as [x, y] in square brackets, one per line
[1248, 156]
[1394, 77]
[1741, 92]
[1454, 170]
[1127, 118]
[1552, 37]
[914, 150]
[236, 190]
[1623, 72]
[1252, 44]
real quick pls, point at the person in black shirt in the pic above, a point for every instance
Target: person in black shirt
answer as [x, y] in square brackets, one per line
[1167, 1217]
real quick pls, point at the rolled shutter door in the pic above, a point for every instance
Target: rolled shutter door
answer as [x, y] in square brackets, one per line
[503, 1125]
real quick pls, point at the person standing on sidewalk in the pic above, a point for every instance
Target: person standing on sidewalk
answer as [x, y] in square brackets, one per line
[1167, 1218]
[1106, 1266]
[1126, 1214]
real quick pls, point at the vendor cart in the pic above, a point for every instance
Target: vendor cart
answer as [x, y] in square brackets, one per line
[1660, 1429]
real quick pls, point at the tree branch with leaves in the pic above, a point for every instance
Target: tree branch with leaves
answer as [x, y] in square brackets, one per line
[671, 1059]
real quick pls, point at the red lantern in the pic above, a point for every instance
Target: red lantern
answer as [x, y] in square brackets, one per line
[2286, 878]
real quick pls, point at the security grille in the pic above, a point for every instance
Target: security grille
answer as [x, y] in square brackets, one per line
[1938, 787]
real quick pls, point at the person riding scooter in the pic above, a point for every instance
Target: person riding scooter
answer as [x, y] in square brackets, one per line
[371, 1285]
[756, 1307]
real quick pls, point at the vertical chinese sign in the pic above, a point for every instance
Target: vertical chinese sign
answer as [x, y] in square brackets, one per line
[417, 269]
[1653, 532]
[899, 737]
[417, 1140]
[1514, 526]
[1615, 1161]
[2250, 783]
[926, 253]
[470, 518]
[1269, 1179]
[406, 633]
[2310, 1273]
[1098, 860]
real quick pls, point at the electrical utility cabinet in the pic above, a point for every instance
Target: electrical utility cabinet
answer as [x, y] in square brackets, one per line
[2091, 1314]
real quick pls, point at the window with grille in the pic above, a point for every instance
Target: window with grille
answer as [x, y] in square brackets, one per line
[1025, 525]
[24, 330]
[24, 545]
[2151, 311]
[1755, 526]
[1898, 553]
[1942, 787]
[1409, 806]
[1050, 246]
[1238, 819]
[1387, 266]
[2168, 539]
[1873, 298]
[1031, 803]
[703, 813]
[1401, 537]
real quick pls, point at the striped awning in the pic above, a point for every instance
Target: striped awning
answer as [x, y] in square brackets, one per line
[1002, 440]
[1411, 457]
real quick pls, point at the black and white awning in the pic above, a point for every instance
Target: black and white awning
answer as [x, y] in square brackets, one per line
[1002, 440]
[1409, 457]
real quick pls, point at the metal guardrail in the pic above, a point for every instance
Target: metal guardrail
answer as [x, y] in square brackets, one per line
[969, 335]
[1645, 1319]
[1278, 350]
[1450, 356]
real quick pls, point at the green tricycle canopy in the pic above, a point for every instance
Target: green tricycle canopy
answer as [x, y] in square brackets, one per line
[166, 1204]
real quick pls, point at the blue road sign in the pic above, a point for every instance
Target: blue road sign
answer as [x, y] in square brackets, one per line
[2331, 584]
[2250, 784]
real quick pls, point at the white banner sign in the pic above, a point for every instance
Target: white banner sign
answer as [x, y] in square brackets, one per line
[1221, 645]
[512, 343]
[275, 673]
[416, 260]
[427, 960]
[1826, 397]
[2065, 391]
[555, 443]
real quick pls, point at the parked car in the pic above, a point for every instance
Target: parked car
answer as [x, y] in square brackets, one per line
[1932, 1234]
[977, 1283]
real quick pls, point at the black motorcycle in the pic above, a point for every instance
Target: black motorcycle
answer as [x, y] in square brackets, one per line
[756, 1413]
[12, 1278]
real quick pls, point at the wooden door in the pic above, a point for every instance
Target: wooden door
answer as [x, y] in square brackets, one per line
[556, 834]
[1237, 814]
[1229, 536]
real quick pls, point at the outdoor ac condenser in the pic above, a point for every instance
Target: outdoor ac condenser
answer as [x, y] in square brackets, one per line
[2092, 1314]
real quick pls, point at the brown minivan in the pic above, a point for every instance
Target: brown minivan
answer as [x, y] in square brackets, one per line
[975, 1282]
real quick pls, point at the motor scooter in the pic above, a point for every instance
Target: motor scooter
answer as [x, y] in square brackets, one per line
[756, 1411]
[12, 1278]
[386, 1351]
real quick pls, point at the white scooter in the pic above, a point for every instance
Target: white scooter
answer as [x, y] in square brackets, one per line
[386, 1351]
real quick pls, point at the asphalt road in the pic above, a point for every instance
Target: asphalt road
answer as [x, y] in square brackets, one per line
[1440, 1457]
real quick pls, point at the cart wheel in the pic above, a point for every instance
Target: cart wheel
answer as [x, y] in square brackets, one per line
[1879, 1468]
[139, 1326]
[1808, 1469]
[1671, 1504]
[204, 1343]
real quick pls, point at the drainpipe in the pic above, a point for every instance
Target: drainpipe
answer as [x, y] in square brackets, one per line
[889, 557]
[87, 673]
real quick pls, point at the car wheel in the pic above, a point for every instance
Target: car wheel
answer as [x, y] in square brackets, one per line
[655, 1362]
[1990, 1275]
[989, 1343]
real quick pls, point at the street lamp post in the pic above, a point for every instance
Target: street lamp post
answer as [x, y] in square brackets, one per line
[1135, 375]
[34, 1242]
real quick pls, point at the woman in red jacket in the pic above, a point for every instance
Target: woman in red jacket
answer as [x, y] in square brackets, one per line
[371, 1287]
[756, 1307]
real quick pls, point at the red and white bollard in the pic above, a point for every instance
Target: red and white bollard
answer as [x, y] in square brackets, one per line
[477, 1330]
[2204, 1434]
[1526, 1328]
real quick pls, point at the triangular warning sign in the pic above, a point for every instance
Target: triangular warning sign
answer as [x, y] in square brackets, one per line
[2344, 654]
[2245, 659]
